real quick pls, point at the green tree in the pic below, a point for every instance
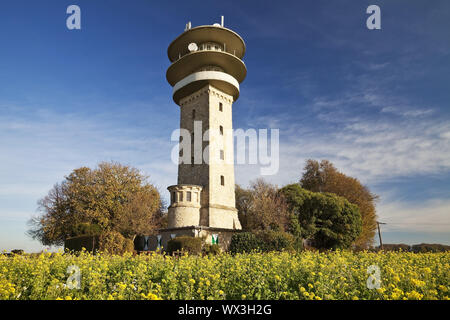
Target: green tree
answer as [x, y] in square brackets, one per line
[111, 197]
[324, 177]
[328, 220]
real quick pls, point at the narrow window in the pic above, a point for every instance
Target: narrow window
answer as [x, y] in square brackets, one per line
[174, 197]
[221, 130]
[180, 196]
[188, 196]
[208, 47]
[220, 106]
[192, 161]
[222, 155]
[222, 180]
[193, 114]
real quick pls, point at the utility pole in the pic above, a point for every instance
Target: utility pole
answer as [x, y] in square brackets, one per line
[379, 234]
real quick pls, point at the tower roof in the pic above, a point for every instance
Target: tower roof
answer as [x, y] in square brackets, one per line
[209, 33]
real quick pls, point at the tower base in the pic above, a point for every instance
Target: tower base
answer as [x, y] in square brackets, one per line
[152, 243]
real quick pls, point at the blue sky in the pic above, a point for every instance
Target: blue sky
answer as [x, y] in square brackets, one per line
[375, 103]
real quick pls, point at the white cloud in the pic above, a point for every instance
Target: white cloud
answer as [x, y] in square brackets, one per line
[430, 216]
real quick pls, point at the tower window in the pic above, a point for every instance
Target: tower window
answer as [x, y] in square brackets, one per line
[193, 114]
[188, 196]
[192, 161]
[174, 197]
[221, 130]
[222, 180]
[180, 196]
[222, 155]
[220, 106]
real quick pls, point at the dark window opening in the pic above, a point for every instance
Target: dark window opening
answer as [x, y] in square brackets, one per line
[222, 180]
[220, 106]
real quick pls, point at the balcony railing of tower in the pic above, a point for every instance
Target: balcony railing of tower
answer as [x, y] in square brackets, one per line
[209, 46]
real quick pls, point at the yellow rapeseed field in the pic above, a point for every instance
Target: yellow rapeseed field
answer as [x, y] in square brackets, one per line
[278, 275]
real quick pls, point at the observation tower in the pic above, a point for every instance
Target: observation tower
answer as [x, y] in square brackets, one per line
[205, 72]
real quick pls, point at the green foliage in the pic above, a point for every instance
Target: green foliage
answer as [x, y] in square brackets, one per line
[244, 242]
[187, 244]
[211, 249]
[329, 220]
[263, 241]
[324, 177]
[276, 240]
[114, 243]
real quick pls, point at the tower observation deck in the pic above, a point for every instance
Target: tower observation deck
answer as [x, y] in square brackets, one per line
[203, 55]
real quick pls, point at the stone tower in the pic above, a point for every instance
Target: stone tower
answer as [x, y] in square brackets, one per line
[205, 73]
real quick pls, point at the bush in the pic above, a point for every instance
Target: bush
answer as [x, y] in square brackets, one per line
[114, 243]
[190, 245]
[76, 244]
[394, 247]
[244, 242]
[428, 247]
[212, 249]
[263, 241]
[17, 251]
[276, 240]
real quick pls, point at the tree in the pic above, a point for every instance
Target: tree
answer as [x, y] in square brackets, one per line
[328, 220]
[324, 177]
[261, 207]
[110, 198]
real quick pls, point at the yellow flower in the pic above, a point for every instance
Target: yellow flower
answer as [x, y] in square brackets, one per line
[414, 295]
